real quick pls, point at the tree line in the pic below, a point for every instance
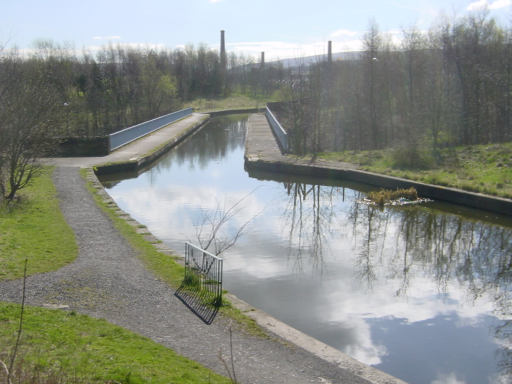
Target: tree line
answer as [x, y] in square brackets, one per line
[449, 86]
[100, 93]
[55, 93]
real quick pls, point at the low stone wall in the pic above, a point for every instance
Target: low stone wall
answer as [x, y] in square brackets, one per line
[81, 146]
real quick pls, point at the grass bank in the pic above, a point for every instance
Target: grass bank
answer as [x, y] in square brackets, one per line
[236, 101]
[34, 228]
[481, 168]
[59, 346]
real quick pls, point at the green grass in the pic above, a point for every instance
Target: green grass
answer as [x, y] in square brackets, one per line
[34, 228]
[480, 168]
[237, 101]
[92, 350]
[161, 264]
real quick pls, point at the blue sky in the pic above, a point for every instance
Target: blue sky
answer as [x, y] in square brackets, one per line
[286, 28]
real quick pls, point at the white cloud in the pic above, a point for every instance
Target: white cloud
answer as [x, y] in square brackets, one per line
[94, 49]
[448, 379]
[214, 1]
[115, 37]
[275, 50]
[343, 32]
[498, 4]
[477, 5]
[278, 49]
[481, 4]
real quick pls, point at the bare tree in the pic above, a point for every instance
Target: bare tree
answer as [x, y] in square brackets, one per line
[211, 233]
[28, 109]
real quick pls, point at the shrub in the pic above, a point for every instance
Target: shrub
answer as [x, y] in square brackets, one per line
[410, 158]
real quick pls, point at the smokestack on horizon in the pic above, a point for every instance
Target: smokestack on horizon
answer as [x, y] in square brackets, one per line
[223, 57]
[262, 63]
[329, 51]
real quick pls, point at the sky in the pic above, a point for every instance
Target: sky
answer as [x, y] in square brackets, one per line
[281, 28]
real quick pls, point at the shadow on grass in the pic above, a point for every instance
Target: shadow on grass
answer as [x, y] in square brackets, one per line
[199, 302]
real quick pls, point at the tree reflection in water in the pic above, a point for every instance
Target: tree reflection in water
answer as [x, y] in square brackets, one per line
[309, 214]
[404, 244]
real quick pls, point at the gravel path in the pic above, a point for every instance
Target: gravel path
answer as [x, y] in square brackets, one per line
[108, 281]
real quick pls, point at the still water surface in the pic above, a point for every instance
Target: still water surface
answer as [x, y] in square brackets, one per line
[422, 292]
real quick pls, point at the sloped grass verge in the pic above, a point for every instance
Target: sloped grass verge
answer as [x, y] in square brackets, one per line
[78, 348]
[33, 227]
[480, 168]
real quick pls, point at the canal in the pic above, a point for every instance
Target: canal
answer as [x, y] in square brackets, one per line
[421, 292]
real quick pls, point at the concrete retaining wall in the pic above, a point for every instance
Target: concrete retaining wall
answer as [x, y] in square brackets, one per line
[451, 195]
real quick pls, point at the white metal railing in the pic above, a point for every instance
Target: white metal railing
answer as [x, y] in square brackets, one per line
[118, 139]
[203, 274]
[282, 136]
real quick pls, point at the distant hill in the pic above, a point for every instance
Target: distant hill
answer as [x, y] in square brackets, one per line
[295, 62]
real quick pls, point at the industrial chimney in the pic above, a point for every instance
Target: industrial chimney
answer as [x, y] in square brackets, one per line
[329, 52]
[223, 58]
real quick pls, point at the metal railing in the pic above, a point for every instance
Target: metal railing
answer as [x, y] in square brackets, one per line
[203, 274]
[118, 139]
[281, 135]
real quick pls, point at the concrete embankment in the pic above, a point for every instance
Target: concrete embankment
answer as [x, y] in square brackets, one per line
[263, 154]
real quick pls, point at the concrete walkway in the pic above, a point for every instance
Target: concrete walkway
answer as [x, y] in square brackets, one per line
[139, 150]
[108, 281]
[261, 148]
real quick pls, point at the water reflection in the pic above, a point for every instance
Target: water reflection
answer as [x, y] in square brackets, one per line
[308, 223]
[462, 263]
[208, 146]
[422, 292]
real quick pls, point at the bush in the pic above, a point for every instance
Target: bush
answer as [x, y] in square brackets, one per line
[410, 158]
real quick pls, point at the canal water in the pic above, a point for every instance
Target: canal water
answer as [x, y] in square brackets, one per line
[421, 292]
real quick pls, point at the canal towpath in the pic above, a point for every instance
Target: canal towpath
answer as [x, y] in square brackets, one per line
[108, 281]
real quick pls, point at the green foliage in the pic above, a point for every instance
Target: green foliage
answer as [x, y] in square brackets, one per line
[33, 227]
[119, 87]
[238, 101]
[192, 280]
[71, 346]
[410, 158]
